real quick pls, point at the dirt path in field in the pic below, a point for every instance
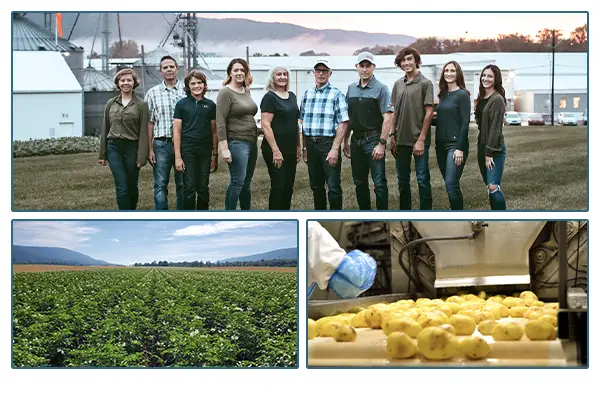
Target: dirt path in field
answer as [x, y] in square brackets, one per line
[54, 268]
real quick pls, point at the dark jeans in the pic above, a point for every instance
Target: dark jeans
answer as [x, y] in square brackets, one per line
[451, 173]
[165, 160]
[282, 179]
[241, 171]
[493, 176]
[404, 154]
[196, 177]
[320, 172]
[361, 159]
[122, 160]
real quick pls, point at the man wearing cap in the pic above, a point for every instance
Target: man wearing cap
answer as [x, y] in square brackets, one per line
[412, 97]
[370, 110]
[324, 115]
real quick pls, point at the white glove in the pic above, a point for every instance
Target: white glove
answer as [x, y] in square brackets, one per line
[324, 255]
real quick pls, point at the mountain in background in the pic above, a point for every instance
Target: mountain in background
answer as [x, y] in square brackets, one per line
[280, 254]
[228, 37]
[52, 255]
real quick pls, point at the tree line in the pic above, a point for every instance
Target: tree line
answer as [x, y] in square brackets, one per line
[259, 263]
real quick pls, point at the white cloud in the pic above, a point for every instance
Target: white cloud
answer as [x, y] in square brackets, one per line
[67, 234]
[114, 240]
[221, 227]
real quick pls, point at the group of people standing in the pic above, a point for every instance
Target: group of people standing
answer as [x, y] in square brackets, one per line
[177, 127]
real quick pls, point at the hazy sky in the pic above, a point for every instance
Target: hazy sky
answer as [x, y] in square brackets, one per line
[468, 25]
[127, 242]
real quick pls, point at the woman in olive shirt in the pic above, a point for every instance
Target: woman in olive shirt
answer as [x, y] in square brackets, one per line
[281, 146]
[124, 138]
[491, 151]
[452, 130]
[237, 133]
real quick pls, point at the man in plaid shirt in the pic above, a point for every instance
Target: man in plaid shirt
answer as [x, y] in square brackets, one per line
[324, 115]
[161, 100]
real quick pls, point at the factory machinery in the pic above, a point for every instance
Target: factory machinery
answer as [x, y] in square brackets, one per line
[437, 259]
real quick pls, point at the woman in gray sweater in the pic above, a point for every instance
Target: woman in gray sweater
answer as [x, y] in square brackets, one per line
[491, 151]
[237, 133]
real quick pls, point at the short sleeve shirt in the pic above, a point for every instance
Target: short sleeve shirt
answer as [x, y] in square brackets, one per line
[409, 99]
[285, 119]
[366, 105]
[195, 116]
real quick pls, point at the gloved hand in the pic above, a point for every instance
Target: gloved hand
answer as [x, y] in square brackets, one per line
[354, 275]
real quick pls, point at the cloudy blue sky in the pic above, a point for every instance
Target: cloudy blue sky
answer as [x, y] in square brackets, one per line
[127, 242]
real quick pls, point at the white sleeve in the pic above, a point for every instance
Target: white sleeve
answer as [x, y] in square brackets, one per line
[324, 255]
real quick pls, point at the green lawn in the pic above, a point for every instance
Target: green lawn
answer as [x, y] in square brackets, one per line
[546, 169]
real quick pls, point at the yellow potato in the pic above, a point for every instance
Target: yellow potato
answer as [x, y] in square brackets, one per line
[422, 300]
[532, 316]
[345, 334]
[324, 320]
[528, 295]
[437, 344]
[495, 310]
[455, 299]
[374, 317]
[392, 315]
[508, 331]
[540, 330]
[359, 320]
[449, 328]
[551, 319]
[517, 311]
[486, 314]
[532, 309]
[475, 347]
[551, 305]
[430, 319]
[312, 329]
[441, 314]
[504, 311]
[463, 324]
[400, 345]
[550, 311]
[494, 299]
[471, 297]
[446, 310]
[330, 329]
[455, 307]
[344, 319]
[470, 313]
[482, 295]
[406, 325]
[485, 327]
[509, 302]
[412, 313]
[520, 303]
[399, 306]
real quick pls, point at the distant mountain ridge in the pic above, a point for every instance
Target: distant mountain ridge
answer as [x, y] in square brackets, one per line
[279, 254]
[52, 255]
[222, 34]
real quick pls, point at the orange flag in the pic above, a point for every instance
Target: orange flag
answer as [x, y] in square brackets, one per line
[59, 24]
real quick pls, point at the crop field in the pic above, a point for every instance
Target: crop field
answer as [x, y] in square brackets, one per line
[154, 317]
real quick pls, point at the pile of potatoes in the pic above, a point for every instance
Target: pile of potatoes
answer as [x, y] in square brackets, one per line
[431, 326]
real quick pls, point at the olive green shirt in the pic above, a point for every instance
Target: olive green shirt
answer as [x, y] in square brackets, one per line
[235, 115]
[128, 122]
[490, 128]
[409, 99]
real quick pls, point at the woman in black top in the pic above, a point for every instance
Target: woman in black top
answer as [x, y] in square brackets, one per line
[281, 146]
[491, 151]
[452, 130]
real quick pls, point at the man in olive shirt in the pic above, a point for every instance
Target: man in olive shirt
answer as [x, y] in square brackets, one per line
[412, 97]
[370, 109]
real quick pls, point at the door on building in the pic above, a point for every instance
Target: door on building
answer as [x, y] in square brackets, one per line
[66, 129]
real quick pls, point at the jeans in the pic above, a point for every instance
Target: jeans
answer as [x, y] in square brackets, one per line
[241, 171]
[165, 160]
[361, 159]
[196, 177]
[282, 179]
[451, 173]
[403, 157]
[493, 176]
[122, 160]
[320, 172]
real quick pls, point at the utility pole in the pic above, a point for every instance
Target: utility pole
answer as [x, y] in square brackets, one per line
[105, 42]
[552, 91]
[248, 54]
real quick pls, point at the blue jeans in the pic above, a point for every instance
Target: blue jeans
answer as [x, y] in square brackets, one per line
[165, 160]
[361, 159]
[282, 178]
[241, 171]
[196, 177]
[122, 160]
[404, 154]
[320, 172]
[451, 173]
[493, 176]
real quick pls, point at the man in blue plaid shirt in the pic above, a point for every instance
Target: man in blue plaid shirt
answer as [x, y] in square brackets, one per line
[324, 115]
[161, 100]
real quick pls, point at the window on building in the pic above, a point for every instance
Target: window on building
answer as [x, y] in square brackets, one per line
[576, 101]
[563, 103]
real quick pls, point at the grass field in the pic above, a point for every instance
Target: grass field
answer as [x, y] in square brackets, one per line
[546, 169]
[154, 317]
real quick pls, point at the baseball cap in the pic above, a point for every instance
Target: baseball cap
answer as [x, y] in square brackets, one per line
[324, 61]
[366, 56]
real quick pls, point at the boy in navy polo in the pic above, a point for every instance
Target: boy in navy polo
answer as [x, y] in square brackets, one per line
[195, 141]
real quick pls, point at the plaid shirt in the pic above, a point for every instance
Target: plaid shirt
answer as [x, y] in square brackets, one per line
[161, 105]
[322, 110]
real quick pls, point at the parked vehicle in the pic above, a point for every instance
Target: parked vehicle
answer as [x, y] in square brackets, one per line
[536, 119]
[512, 118]
[567, 119]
